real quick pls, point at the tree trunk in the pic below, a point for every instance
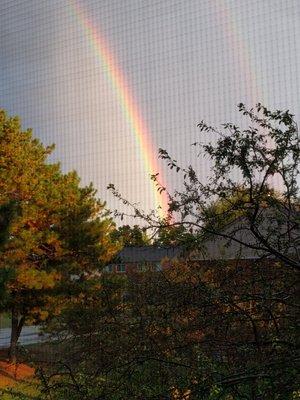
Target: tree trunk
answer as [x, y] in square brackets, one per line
[17, 323]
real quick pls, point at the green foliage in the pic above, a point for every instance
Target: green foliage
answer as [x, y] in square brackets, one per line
[213, 331]
[7, 213]
[239, 194]
[21, 391]
[131, 236]
[241, 313]
[223, 330]
[175, 236]
[60, 229]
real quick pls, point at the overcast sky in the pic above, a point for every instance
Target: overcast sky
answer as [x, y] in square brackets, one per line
[184, 61]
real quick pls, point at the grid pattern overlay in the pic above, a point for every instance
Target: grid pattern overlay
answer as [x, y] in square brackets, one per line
[183, 61]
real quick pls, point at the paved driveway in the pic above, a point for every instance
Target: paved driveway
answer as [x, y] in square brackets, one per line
[29, 335]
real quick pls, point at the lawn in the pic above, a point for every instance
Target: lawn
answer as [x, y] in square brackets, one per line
[4, 320]
[17, 382]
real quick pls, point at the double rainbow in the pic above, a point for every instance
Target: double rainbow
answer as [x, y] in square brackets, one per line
[126, 100]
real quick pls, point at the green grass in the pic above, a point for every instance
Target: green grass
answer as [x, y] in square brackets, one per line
[21, 391]
[4, 320]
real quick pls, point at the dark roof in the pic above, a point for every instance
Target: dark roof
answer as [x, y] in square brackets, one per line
[152, 254]
[242, 245]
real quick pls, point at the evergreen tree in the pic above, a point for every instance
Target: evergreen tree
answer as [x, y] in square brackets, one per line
[60, 233]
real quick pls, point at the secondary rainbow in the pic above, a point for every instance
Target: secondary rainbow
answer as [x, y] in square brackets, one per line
[126, 99]
[241, 48]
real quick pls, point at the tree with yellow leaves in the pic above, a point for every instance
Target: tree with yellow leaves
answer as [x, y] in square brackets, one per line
[59, 237]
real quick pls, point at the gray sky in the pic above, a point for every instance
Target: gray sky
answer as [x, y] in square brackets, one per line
[183, 60]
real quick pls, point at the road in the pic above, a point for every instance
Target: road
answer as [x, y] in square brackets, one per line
[29, 335]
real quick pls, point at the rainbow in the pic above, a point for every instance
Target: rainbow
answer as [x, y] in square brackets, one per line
[241, 49]
[126, 100]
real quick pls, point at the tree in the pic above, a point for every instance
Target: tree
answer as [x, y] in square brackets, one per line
[131, 236]
[244, 166]
[59, 234]
[204, 330]
[215, 329]
[7, 213]
[174, 235]
[124, 356]
[245, 163]
[238, 207]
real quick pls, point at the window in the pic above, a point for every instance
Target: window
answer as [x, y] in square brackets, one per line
[109, 268]
[158, 267]
[121, 268]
